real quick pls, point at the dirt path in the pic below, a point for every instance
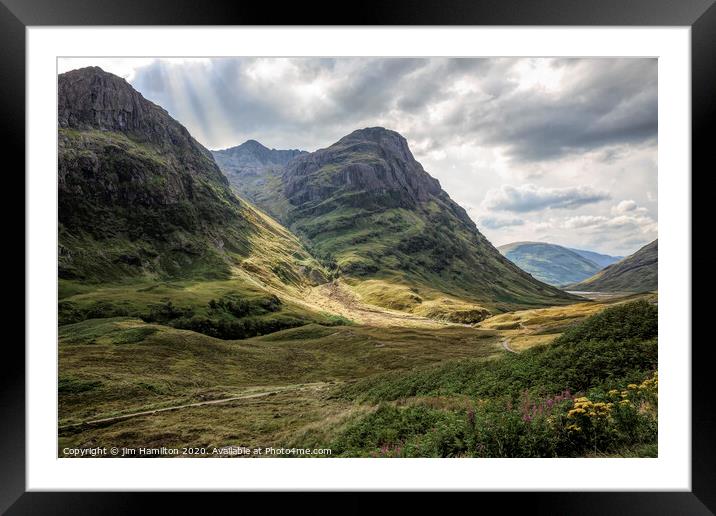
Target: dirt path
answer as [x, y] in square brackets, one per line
[506, 345]
[122, 417]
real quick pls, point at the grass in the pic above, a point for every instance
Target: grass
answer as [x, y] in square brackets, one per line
[252, 423]
[615, 343]
[188, 365]
[344, 387]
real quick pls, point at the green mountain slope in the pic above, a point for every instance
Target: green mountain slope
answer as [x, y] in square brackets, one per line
[369, 210]
[635, 273]
[139, 197]
[550, 263]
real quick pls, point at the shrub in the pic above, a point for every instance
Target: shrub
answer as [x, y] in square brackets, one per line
[166, 312]
[69, 312]
[637, 320]
[557, 426]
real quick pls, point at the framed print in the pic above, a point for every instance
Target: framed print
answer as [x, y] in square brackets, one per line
[416, 253]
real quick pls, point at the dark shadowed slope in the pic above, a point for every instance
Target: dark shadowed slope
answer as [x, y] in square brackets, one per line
[635, 273]
[550, 263]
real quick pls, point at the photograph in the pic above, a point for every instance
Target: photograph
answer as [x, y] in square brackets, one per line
[357, 257]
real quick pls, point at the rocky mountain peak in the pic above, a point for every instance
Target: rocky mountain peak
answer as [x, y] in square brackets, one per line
[374, 161]
[388, 141]
[254, 153]
[90, 98]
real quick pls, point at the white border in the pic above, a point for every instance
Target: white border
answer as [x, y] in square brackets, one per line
[671, 471]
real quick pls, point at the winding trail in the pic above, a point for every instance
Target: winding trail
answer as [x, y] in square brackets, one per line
[122, 417]
[506, 345]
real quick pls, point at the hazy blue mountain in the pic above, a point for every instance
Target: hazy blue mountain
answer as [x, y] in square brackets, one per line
[550, 263]
[603, 260]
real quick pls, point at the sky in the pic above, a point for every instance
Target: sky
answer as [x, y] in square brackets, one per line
[558, 150]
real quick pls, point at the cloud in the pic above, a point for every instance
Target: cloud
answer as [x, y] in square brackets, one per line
[536, 109]
[632, 223]
[528, 197]
[625, 206]
[497, 222]
[583, 221]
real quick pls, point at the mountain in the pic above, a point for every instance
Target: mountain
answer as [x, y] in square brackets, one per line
[369, 210]
[635, 273]
[140, 197]
[600, 259]
[550, 263]
[249, 166]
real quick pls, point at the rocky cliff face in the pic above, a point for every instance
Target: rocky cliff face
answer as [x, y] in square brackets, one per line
[91, 99]
[139, 196]
[373, 166]
[375, 161]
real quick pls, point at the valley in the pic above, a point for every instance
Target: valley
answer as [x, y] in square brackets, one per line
[145, 384]
[336, 299]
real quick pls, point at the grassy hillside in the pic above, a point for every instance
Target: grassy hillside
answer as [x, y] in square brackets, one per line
[550, 263]
[635, 273]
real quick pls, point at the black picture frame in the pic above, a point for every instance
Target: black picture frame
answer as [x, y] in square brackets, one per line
[700, 15]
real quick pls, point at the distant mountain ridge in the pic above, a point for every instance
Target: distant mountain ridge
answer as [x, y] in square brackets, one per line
[602, 260]
[249, 167]
[368, 207]
[551, 263]
[252, 152]
[635, 273]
